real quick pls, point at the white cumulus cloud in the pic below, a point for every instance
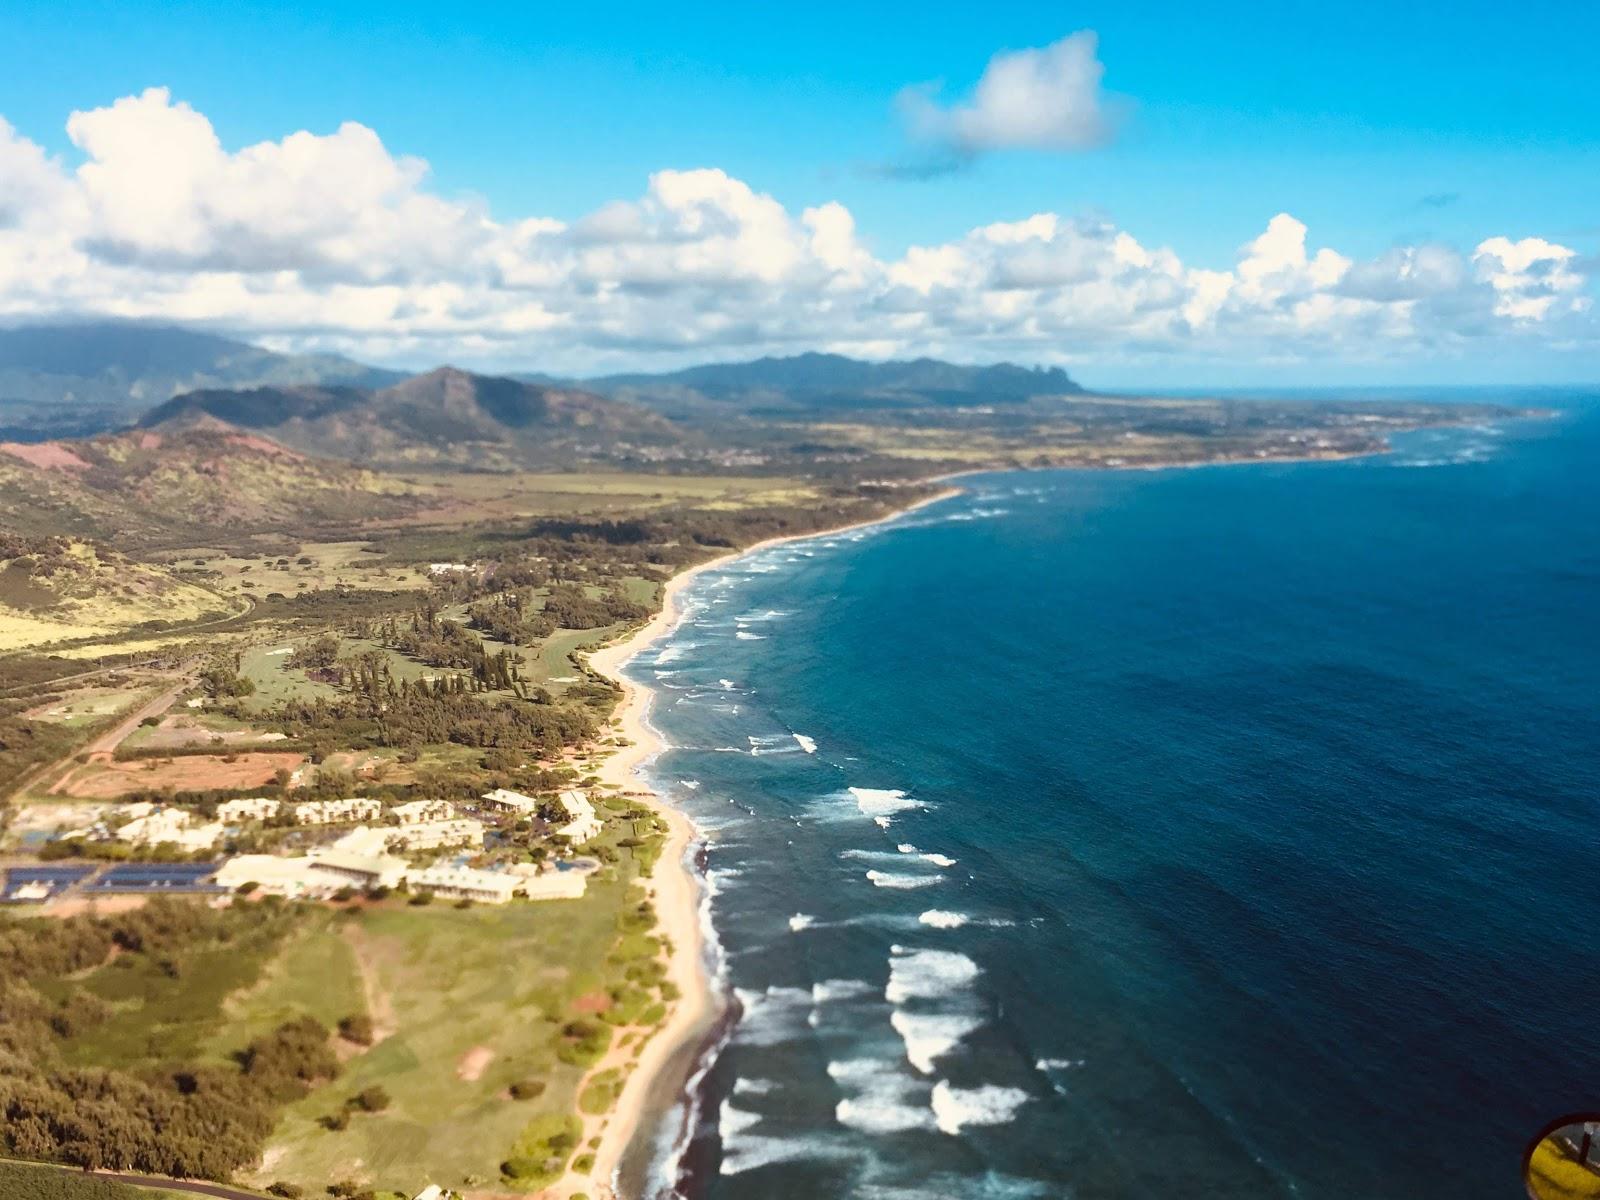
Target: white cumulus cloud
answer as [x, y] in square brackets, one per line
[1047, 98]
[335, 241]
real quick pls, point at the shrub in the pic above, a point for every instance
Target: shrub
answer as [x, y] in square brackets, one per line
[357, 1028]
[373, 1099]
[289, 1191]
[527, 1089]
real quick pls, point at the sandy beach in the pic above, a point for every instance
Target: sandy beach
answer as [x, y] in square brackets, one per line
[675, 887]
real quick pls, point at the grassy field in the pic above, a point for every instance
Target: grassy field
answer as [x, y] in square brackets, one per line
[290, 569]
[472, 1001]
[19, 1181]
[91, 597]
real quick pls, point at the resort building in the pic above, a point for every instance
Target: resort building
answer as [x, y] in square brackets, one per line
[256, 808]
[584, 825]
[335, 812]
[418, 811]
[550, 884]
[355, 869]
[430, 835]
[363, 839]
[293, 878]
[504, 800]
[170, 826]
[465, 883]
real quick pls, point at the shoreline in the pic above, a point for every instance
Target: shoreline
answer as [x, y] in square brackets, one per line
[676, 887]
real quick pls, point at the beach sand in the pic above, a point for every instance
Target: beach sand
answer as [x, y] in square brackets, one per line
[675, 886]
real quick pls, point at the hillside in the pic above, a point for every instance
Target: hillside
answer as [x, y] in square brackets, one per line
[79, 380]
[446, 417]
[833, 382]
[184, 485]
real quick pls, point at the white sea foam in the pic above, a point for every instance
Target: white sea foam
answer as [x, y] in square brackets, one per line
[880, 1098]
[745, 635]
[692, 784]
[670, 654]
[773, 1016]
[930, 1036]
[956, 1108]
[888, 879]
[801, 921]
[883, 803]
[747, 1151]
[727, 684]
[806, 744]
[927, 974]
[840, 989]
[942, 919]
[754, 1087]
[1046, 1065]
[733, 1121]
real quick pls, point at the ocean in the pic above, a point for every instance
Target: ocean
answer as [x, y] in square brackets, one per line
[1213, 832]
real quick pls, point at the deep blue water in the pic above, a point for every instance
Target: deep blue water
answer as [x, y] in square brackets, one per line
[1272, 794]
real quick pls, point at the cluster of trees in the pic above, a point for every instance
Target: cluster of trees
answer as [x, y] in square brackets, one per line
[511, 615]
[573, 608]
[196, 1121]
[222, 680]
[409, 715]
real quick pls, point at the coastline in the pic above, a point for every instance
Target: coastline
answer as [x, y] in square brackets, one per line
[676, 887]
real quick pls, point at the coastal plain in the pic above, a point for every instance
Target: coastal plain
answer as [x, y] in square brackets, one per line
[194, 615]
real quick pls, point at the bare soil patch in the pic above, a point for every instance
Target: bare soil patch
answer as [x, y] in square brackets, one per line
[104, 779]
[473, 1064]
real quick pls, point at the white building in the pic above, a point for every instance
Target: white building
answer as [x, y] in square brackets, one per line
[363, 839]
[584, 826]
[504, 800]
[291, 877]
[334, 812]
[418, 811]
[549, 884]
[354, 869]
[464, 883]
[430, 835]
[170, 825]
[256, 808]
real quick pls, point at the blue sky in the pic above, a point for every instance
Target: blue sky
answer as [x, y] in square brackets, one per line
[1376, 126]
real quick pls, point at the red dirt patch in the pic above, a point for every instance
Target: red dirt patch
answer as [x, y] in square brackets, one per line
[104, 780]
[50, 455]
[250, 441]
[594, 1002]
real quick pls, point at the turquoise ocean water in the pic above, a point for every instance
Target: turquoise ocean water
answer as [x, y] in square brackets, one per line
[1225, 832]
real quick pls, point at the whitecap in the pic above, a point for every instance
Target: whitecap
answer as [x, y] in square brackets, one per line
[733, 1121]
[754, 1087]
[930, 1036]
[801, 921]
[880, 1098]
[927, 974]
[887, 879]
[956, 1108]
[883, 803]
[746, 636]
[771, 1017]
[829, 990]
[692, 784]
[806, 744]
[941, 919]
